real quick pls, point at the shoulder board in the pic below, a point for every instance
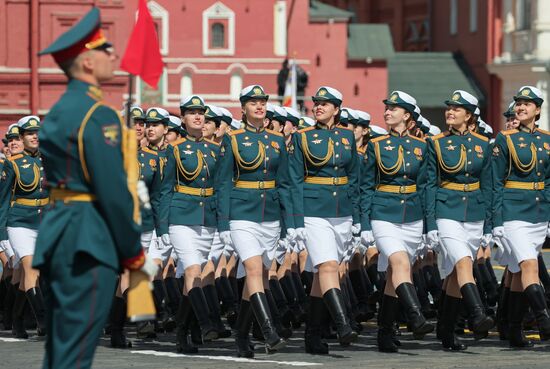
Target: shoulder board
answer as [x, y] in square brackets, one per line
[16, 156]
[148, 150]
[274, 132]
[380, 138]
[362, 150]
[235, 132]
[441, 135]
[543, 131]
[344, 127]
[418, 139]
[212, 142]
[2, 161]
[177, 142]
[306, 129]
[481, 137]
[509, 132]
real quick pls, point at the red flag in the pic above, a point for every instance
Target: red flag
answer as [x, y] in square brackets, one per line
[142, 56]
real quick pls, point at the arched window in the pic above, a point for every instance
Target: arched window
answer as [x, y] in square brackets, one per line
[218, 36]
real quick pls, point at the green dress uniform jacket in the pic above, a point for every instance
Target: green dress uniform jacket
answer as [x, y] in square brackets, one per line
[252, 180]
[324, 168]
[149, 172]
[187, 193]
[393, 180]
[459, 184]
[521, 176]
[22, 193]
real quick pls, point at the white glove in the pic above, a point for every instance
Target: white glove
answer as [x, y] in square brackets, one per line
[486, 240]
[498, 232]
[164, 241]
[367, 238]
[290, 234]
[301, 234]
[225, 237]
[143, 195]
[356, 228]
[433, 238]
[150, 267]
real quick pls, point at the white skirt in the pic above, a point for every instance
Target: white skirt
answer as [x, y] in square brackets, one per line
[162, 254]
[254, 239]
[216, 250]
[501, 253]
[192, 244]
[394, 237]
[327, 238]
[22, 241]
[525, 241]
[458, 240]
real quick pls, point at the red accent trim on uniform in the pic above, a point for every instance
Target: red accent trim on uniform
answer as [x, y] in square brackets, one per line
[87, 43]
[136, 262]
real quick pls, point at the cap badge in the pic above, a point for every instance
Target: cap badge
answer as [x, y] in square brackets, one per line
[136, 113]
[196, 101]
[33, 123]
[322, 92]
[526, 92]
[257, 91]
[394, 97]
[456, 97]
[153, 114]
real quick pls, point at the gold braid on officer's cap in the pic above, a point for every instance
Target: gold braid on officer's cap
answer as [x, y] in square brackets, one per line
[525, 168]
[447, 168]
[394, 168]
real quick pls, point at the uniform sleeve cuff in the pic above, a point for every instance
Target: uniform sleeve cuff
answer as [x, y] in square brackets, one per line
[136, 262]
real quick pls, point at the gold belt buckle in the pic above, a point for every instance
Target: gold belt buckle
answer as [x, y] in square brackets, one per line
[536, 185]
[203, 192]
[466, 187]
[334, 180]
[402, 189]
[261, 185]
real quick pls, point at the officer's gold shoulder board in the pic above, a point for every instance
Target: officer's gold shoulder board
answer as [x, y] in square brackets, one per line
[543, 131]
[437, 137]
[212, 142]
[306, 129]
[509, 132]
[380, 138]
[418, 139]
[345, 127]
[235, 132]
[481, 137]
[362, 150]
[148, 150]
[15, 157]
[274, 132]
[177, 142]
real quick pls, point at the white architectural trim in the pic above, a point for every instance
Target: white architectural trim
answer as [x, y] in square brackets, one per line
[279, 28]
[157, 11]
[473, 16]
[453, 17]
[228, 70]
[232, 60]
[15, 111]
[218, 11]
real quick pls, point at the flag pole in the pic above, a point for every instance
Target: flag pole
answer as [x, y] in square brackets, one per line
[129, 100]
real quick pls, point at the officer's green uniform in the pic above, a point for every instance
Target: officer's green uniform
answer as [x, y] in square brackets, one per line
[154, 116]
[459, 179]
[92, 225]
[149, 172]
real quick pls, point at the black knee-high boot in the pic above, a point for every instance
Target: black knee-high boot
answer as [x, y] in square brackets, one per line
[229, 305]
[386, 320]
[317, 314]
[479, 321]
[118, 318]
[260, 307]
[173, 298]
[488, 286]
[292, 298]
[242, 330]
[439, 324]
[307, 280]
[18, 315]
[282, 303]
[422, 293]
[543, 274]
[302, 296]
[202, 313]
[361, 292]
[518, 306]
[276, 315]
[36, 303]
[502, 313]
[214, 307]
[350, 302]
[449, 314]
[415, 319]
[335, 304]
[537, 302]
[183, 342]
[8, 304]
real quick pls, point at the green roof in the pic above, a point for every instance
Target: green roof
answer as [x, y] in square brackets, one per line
[319, 11]
[369, 41]
[430, 77]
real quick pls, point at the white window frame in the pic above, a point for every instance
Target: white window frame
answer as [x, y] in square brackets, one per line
[158, 12]
[473, 16]
[186, 84]
[453, 17]
[218, 11]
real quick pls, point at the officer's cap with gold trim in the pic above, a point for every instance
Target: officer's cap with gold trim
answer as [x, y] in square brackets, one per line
[424, 124]
[227, 117]
[137, 113]
[417, 115]
[401, 99]
[157, 115]
[376, 131]
[84, 36]
[270, 110]
[192, 102]
[213, 113]
[463, 99]
[292, 115]
[485, 129]
[434, 130]
[252, 92]
[530, 93]
[353, 117]
[510, 112]
[344, 116]
[280, 114]
[325, 93]
[174, 124]
[236, 124]
[306, 122]
[363, 118]
[477, 113]
[29, 123]
[13, 131]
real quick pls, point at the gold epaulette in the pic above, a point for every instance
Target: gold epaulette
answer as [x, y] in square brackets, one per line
[380, 138]
[148, 150]
[481, 137]
[509, 132]
[274, 132]
[306, 129]
[212, 142]
[418, 139]
[177, 142]
[362, 150]
[15, 157]
[344, 127]
[543, 131]
[235, 132]
[441, 135]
